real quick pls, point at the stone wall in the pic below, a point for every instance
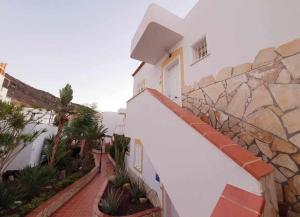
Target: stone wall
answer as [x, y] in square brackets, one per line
[258, 106]
[270, 196]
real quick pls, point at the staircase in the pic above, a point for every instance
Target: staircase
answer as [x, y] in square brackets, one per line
[195, 162]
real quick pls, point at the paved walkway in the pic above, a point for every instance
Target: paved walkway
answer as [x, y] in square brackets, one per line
[81, 205]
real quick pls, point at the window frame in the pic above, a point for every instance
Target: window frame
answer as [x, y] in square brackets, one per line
[138, 144]
[196, 57]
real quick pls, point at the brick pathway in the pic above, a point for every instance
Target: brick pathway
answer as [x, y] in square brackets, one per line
[81, 205]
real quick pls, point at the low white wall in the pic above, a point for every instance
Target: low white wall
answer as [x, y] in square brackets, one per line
[148, 174]
[193, 171]
[30, 155]
[150, 74]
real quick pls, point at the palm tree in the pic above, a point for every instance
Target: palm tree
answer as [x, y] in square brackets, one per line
[85, 128]
[61, 152]
[79, 127]
[63, 110]
[96, 134]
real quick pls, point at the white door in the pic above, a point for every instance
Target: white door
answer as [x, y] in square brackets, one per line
[172, 82]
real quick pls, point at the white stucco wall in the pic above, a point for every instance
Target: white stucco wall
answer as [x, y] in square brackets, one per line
[193, 171]
[235, 31]
[114, 122]
[3, 94]
[3, 90]
[149, 73]
[148, 172]
[37, 144]
[1, 79]
[43, 116]
[30, 155]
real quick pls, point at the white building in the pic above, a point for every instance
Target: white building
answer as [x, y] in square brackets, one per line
[42, 116]
[3, 90]
[114, 122]
[213, 35]
[187, 163]
[30, 155]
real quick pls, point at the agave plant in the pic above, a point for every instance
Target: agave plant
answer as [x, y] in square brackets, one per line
[137, 189]
[120, 147]
[33, 178]
[111, 203]
[121, 177]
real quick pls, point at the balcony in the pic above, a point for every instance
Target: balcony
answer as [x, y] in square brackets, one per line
[158, 32]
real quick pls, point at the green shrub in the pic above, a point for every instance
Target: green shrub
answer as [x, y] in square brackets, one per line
[120, 147]
[64, 183]
[35, 202]
[121, 178]
[111, 203]
[73, 166]
[14, 215]
[137, 189]
[87, 163]
[112, 151]
[69, 180]
[7, 195]
[77, 175]
[62, 156]
[33, 178]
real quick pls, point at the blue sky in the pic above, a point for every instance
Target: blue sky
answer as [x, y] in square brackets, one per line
[85, 43]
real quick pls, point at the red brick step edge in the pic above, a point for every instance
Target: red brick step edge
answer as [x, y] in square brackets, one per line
[252, 164]
[237, 202]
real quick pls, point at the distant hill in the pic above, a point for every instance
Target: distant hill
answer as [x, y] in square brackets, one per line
[26, 95]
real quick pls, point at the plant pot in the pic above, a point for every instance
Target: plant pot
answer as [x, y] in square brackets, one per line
[96, 154]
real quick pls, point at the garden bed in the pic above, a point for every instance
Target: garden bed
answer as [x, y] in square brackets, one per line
[131, 199]
[128, 204]
[47, 192]
[123, 195]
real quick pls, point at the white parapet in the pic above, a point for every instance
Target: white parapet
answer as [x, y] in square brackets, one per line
[193, 171]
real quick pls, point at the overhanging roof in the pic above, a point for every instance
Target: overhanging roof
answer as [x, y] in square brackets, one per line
[158, 32]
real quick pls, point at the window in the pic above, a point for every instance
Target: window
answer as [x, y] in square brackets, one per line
[138, 155]
[200, 49]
